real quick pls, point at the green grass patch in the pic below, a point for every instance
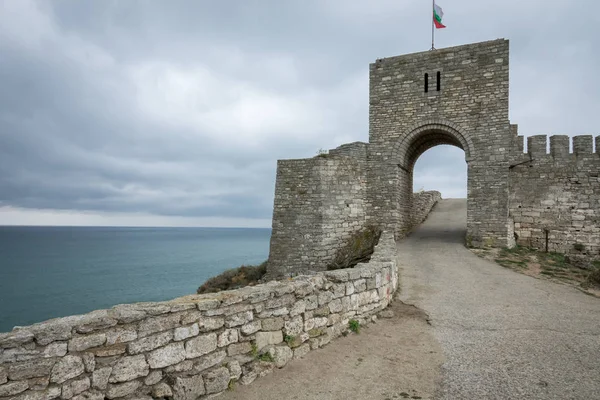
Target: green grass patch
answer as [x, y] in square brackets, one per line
[354, 326]
[246, 275]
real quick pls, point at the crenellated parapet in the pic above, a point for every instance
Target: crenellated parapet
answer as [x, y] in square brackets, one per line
[555, 194]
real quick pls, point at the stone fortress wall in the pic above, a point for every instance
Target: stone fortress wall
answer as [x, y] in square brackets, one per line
[195, 346]
[457, 96]
[554, 195]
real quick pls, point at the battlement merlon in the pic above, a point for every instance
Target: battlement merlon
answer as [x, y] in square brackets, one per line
[560, 145]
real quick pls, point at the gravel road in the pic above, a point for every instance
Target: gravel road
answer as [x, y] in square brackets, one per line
[504, 335]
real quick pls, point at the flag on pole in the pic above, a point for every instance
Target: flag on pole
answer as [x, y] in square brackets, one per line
[438, 14]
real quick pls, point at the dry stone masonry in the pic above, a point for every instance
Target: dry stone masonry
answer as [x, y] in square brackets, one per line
[195, 346]
[457, 96]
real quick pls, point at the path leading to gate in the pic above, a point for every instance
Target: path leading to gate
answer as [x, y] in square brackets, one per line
[504, 335]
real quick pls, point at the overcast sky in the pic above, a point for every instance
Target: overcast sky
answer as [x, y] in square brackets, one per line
[174, 112]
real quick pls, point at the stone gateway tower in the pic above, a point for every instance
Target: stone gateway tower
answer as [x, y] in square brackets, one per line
[456, 96]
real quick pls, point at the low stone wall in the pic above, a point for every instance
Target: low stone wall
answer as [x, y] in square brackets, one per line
[193, 346]
[423, 202]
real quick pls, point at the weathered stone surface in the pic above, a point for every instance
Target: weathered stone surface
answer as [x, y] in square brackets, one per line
[75, 387]
[39, 383]
[298, 308]
[281, 355]
[121, 335]
[217, 381]
[208, 304]
[188, 388]
[227, 337]
[122, 389]
[66, 368]
[239, 319]
[201, 345]
[53, 330]
[235, 369]
[56, 349]
[90, 395]
[211, 324]
[162, 390]
[264, 339]
[239, 348]
[3, 375]
[30, 369]
[89, 362]
[15, 338]
[301, 351]
[186, 332]
[272, 324]
[12, 388]
[209, 360]
[94, 321]
[100, 378]
[253, 370]
[149, 343]
[185, 365]
[168, 355]
[153, 378]
[294, 326]
[127, 313]
[82, 343]
[53, 392]
[129, 368]
[251, 327]
[312, 302]
[18, 354]
[108, 351]
[279, 302]
[158, 324]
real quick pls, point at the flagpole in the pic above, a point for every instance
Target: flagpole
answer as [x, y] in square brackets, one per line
[432, 26]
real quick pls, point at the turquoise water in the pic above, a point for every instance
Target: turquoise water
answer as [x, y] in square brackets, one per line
[48, 272]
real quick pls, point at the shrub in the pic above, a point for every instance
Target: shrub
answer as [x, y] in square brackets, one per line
[354, 326]
[235, 278]
[359, 248]
[594, 276]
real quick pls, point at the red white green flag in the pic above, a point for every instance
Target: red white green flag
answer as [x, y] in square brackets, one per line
[438, 14]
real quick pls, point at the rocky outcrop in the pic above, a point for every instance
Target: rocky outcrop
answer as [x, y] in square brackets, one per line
[194, 346]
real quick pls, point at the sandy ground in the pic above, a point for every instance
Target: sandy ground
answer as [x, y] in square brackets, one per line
[394, 358]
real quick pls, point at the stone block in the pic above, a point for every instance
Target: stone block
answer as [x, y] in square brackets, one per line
[109, 351]
[298, 308]
[227, 337]
[30, 369]
[239, 319]
[158, 324]
[13, 388]
[209, 360]
[56, 349]
[15, 338]
[217, 381]
[40, 383]
[301, 351]
[82, 343]
[281, 355]
[211, 324]
[294, 326]
[264, 339]
[67, 368]
[239, 348]
[89, 362]
[188, 388]
[121, 335]
[90, 395]
[3, 375]
[201, 345]
[75, 387]
[164, 356]
[122, 389]
[183, 366]
[149, 343]
[129, 368]
[186, 332]
[100, 378]
[162, 390]
[272, 324]
[153, 378]
[235, 369]
[251, 327]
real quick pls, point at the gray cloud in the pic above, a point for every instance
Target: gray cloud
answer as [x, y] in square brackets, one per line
[182, 109]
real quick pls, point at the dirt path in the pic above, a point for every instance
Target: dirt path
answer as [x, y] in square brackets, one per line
[395, 358]
[504, 335]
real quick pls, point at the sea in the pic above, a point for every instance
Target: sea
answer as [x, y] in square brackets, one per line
[48, 272]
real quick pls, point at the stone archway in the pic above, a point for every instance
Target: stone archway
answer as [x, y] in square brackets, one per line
[405, 153]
